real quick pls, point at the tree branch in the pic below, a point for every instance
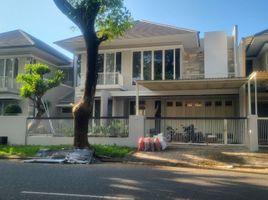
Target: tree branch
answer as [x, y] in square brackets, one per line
[103, 38]
[66, 8]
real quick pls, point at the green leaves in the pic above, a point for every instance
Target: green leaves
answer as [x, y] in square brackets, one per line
[33, 82]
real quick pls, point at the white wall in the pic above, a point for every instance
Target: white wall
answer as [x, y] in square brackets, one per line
[14, 127]
[136, 130]
[216, 58]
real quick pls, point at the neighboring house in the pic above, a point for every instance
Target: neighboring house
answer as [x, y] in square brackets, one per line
[255, 56]
[18, 48]
[179, 73]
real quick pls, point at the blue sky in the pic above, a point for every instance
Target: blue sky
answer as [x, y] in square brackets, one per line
[43, 20]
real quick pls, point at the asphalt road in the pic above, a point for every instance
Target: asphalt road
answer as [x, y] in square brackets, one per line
[21, 181]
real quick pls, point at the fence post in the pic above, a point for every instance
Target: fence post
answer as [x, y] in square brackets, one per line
[253, 133]
[225, 134]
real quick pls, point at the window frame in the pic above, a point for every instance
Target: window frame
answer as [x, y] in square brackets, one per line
[158, 48]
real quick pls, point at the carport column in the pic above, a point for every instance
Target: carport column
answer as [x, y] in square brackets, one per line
[136, 129]
[249, 98]
[252, 135]
[137, 99]
[104, 97]
[256, 93]
[225, 137]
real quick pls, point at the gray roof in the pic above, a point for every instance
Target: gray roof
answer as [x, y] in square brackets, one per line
[140, 30]
[255, 43]
[19, 38]
[143, 29]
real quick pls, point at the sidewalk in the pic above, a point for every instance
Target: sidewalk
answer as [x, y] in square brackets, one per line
[188, 155]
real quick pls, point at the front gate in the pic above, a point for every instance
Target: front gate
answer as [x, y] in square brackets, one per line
[263, 131]
[216, 130]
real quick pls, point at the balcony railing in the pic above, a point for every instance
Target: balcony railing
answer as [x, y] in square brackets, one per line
[110, 78]
[8, 83]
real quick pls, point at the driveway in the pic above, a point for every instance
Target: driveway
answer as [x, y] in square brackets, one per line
[204, 156]
[125, 182]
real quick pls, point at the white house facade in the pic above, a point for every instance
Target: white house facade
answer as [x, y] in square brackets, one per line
[178, 73]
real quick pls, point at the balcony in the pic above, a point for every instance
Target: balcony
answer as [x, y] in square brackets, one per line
[110, 80]
[8, 84]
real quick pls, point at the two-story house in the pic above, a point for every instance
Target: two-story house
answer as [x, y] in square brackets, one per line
[177, 72]
[18, 48]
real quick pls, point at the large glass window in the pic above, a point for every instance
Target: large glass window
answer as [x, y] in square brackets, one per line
[100, 63]
[158, 65]
[169, 66]
[110, 68]
[177, 65]
[147, 65]
[136, 69]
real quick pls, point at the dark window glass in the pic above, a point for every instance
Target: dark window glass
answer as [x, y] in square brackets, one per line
[218, 103]
[177, 65]
[100, 63]
[118, 62]
[228, 103]
[249, 67]
[136, 67]
[16, 67]
[97, 108]
[158, 65]
[110, 108]
[132, 108]
[147, 65]
[169, 66]
[208, 103]
[66, 110]
[2, 69]
[178, 104]
[169, 104]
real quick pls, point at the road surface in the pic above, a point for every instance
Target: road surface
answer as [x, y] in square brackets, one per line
[21, 181]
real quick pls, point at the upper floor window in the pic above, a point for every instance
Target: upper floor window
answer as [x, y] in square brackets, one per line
[110, 62]
[9, 67]
[162, 64]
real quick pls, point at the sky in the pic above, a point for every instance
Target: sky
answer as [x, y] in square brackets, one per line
[42, 19]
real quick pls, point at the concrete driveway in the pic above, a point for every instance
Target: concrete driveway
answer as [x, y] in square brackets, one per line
[204, 156]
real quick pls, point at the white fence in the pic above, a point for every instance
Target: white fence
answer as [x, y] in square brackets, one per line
[200, 130]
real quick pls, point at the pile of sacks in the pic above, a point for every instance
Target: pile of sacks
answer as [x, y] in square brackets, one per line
[156, 143]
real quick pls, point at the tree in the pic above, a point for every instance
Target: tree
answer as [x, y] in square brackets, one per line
[99, 21]
[34, 85]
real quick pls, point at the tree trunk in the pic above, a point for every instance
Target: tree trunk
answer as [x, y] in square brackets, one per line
[82, 112]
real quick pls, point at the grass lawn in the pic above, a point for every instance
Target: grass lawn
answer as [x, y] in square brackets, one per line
[31, 150]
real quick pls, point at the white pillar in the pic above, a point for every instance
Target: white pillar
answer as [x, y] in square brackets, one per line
[137, 98]
[249, 99]
[256, 93]
[136, 130]
[252, 141]
[105, 95]
[225, 134]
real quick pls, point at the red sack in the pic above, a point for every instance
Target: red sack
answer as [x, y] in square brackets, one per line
[157, 144]
[147, 146]
[141, 144]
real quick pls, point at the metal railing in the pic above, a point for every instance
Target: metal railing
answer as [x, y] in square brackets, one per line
[8, 83]
[263, 131]
[63, 127]
[199, 130]
[111, 78]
